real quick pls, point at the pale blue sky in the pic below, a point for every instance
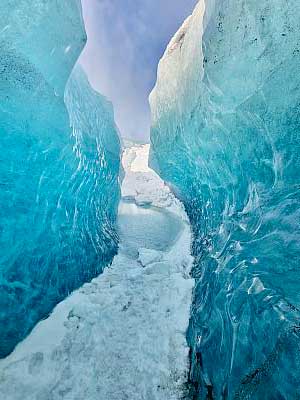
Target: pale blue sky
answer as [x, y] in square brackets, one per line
[126, 39]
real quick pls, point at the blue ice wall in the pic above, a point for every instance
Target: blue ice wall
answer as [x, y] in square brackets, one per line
[59, 165]
[225, 136]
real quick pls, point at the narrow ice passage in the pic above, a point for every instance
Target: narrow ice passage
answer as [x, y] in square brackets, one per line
[123, 336]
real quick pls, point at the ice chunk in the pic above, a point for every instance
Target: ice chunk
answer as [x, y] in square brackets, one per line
[160, 268]
[149, 256]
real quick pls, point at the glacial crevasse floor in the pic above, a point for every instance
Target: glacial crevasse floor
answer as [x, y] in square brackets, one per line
[122, 336]
[225, 137]
[59, 165]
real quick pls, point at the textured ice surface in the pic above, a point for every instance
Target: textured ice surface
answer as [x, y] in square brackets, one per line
[122, 336]
[58, 168]
[226, 137]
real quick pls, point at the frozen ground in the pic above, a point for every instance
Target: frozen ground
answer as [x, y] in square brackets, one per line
[121, 337]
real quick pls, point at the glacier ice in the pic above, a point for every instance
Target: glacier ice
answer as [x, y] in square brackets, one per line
[122, 336]
[225, 136]
[59, 165]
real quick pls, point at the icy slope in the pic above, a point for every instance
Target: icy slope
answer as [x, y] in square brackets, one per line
[225, 136]
[59, 166]
[123, 336]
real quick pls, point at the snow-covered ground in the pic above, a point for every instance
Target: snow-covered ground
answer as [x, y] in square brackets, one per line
[121, 337]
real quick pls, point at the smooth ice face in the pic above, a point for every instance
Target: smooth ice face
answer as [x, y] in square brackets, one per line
[48, 34]
[58, 165]
[226, 137]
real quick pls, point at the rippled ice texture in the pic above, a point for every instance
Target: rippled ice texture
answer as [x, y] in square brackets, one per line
[59, 184]
[226, 137]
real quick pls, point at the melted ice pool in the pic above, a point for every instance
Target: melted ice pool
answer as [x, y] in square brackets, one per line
[162, 227]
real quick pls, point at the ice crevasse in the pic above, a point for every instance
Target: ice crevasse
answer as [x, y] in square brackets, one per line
[225, 136]
[59, 165]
